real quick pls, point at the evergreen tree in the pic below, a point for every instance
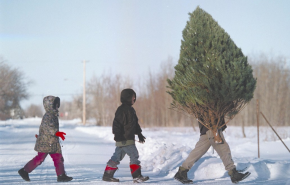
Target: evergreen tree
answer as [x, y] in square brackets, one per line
[212, 78]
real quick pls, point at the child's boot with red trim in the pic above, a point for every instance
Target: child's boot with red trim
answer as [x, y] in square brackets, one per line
[136, 173]
[109, 174]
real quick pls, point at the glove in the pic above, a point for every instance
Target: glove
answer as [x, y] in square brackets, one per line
[141, 138]
[36, 136]
[60, 134]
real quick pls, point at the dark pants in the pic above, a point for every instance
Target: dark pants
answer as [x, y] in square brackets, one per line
[37, 160]
[120, 153]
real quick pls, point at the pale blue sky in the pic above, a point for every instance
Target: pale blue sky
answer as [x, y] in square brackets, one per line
[48, 39]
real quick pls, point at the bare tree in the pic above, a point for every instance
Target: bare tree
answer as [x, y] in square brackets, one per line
[153, 103]
[273, 92]
[152, 106]
[13, 89]
[34, 111]
[104, 96]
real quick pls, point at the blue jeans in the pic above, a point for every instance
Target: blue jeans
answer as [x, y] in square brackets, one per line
[120, 153]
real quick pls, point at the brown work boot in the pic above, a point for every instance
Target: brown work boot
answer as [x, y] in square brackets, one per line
[181, 176]
[237, 176]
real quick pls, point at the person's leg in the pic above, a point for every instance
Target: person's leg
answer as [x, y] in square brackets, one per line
[118, 155]
[31, 165]
[199, 150]
[58, 163]
[132, 152]
[112, 165]
[36, 161]
[223, 150]
[201, 147]
[225, 154]
[59, 167]
[135, 167]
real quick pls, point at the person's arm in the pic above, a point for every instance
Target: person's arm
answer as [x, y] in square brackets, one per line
[48, 124]
[118, 125]
[138, 128]
[138, 131]
[128, 123]
[49, 127]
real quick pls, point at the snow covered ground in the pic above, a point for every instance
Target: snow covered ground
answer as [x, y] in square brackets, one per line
[87, 149]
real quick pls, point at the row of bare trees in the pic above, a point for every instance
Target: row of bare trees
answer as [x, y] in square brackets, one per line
[153, 103]
[153, 106]
[272, 91]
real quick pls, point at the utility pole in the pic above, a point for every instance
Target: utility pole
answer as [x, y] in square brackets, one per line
[84, 93]
[258, 135]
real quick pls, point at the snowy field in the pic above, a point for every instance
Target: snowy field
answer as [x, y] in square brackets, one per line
[87, 149]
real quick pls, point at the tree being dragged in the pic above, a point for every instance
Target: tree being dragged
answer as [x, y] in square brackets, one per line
[212, 79]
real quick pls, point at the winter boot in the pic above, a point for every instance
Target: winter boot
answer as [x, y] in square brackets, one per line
[63, 178]
[181, 176]
[23, 174]
[136, 174]
[236, 176]
[109, 173]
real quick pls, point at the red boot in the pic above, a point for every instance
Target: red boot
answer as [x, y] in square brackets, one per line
[136, 173]
[109, 173]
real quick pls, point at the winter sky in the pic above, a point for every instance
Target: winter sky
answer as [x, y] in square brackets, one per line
[48, 39]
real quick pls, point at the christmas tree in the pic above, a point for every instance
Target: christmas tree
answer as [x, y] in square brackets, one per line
[212, 79]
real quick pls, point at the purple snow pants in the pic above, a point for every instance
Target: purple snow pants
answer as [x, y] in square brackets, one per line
[37, 160]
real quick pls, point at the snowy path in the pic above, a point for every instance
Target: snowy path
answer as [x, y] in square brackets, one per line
[85, 157]
[87, 149]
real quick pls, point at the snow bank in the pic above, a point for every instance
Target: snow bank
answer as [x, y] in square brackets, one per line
[26, 122]
[166, 148]
[163, 152]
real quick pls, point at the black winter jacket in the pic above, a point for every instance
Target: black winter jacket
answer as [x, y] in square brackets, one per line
[125, 124]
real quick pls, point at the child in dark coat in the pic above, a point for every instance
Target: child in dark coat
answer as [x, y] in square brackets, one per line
[125, 127]
[48, 142]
